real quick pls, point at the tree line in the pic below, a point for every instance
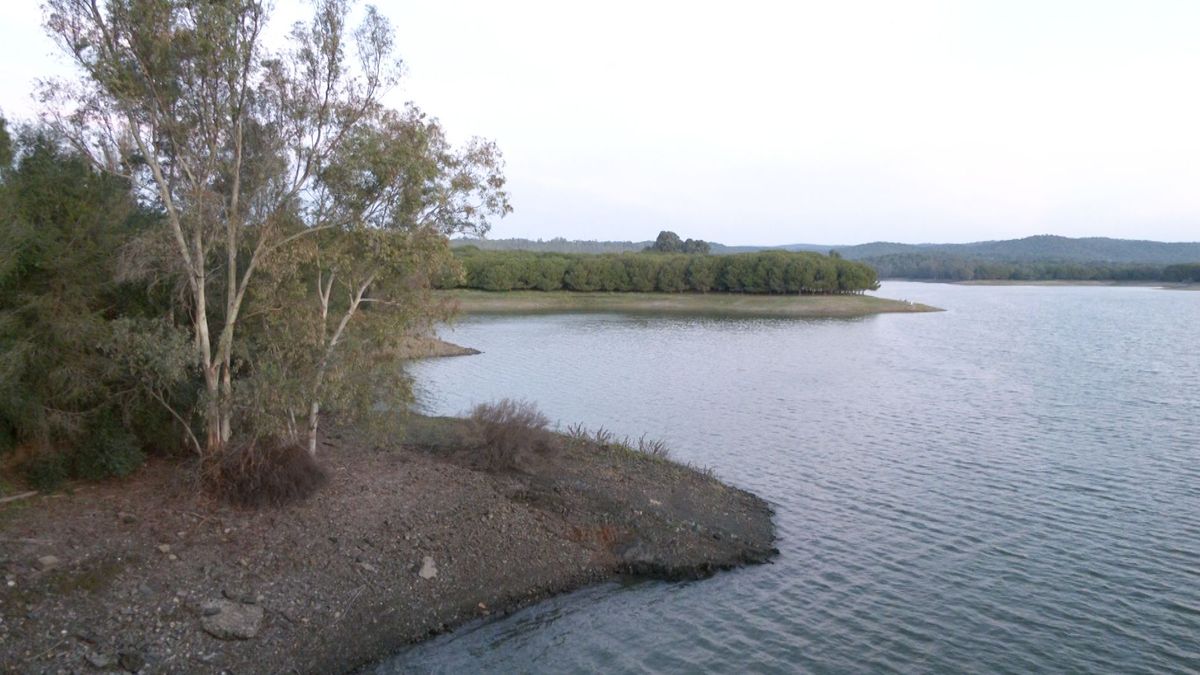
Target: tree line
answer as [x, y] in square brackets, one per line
[768, 272]
[942, 267]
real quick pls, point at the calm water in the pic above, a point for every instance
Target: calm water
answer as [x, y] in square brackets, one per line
[1009, 486]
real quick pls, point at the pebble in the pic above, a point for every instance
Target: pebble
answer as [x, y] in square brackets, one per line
[428, 568]
[228, 620]
[46, 562]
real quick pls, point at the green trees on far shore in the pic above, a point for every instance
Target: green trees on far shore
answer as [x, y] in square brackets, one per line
[768, 272]
[949, 267]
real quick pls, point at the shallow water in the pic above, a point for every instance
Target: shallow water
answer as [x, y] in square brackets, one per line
[1008, 486]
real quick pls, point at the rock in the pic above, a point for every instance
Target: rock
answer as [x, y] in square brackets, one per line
[98, 660]
[127, 518]
[131, 661]
[48, 562]
[164, 548]
[239, 596]
[428, 568]
[230, 620]
[368, 567]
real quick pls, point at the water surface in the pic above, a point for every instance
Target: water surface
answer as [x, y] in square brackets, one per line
[1009, 486]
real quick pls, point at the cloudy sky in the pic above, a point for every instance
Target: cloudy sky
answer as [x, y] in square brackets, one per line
[842, 122]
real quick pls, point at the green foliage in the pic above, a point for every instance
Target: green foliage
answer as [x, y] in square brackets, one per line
[768, 272]
[63, 381]
[669, 242]
[46, 471]
[108, 450]
[1185, 273]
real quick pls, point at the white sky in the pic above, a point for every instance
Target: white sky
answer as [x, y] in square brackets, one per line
[829, 121]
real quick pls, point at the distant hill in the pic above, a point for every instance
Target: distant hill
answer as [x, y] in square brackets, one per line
[1041, 248]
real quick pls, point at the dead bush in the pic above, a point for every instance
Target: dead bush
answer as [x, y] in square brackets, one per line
[508, 432]
[263, 472]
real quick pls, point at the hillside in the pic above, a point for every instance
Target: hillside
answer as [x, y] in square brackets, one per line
[1040, 248]
[1044, 248]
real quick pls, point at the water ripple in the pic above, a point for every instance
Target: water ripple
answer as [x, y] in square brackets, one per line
[1010, 486]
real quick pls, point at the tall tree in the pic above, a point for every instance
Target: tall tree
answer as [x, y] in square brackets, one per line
[235, 143]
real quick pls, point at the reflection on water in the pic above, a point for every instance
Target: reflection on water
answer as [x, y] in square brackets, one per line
[1011, 485]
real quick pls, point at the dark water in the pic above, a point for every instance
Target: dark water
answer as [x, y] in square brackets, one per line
[1009, 486]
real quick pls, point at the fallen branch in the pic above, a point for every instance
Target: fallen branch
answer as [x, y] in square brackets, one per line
[23, 495]
[24, 540]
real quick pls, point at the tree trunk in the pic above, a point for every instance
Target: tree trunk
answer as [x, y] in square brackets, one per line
[313, 421]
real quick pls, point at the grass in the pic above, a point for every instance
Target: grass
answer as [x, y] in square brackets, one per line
[693, 304]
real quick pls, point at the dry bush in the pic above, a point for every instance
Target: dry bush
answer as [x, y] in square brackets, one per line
[607, 440]
[263, 472]
[508, 432]
[654, 448]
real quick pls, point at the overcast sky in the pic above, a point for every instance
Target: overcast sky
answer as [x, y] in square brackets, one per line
[832, 122]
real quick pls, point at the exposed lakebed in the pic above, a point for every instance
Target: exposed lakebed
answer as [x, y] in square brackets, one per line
[1011, 485]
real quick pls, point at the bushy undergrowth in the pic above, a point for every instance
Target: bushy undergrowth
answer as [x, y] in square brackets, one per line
[109, 451]
[263, 472]
[104, 449]
[507, 433]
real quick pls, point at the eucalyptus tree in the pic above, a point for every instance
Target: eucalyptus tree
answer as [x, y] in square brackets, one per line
[391, 193]
[239, 145]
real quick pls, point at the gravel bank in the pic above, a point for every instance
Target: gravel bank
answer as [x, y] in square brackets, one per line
[145, 575]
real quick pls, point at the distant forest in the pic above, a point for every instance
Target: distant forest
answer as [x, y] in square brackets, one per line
[767, 272]
[1042, 257]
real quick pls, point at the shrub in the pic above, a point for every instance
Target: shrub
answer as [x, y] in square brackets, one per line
[507, 432]
[654, 448]
[46, 472]
[263, 472]
[109, 450]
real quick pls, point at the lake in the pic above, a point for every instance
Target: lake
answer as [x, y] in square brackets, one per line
[1012, 485]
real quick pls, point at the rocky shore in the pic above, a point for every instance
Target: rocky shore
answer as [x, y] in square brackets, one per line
[406, 541]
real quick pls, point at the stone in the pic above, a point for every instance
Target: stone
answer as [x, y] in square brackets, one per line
[48, 562]
[98, 660]
[239, 596]
[164, 548]
[428, 568]
[131, 661]
[230, 620]
[126, 517]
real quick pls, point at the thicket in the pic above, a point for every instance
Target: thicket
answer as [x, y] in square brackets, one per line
[768, 272]
[211, 242]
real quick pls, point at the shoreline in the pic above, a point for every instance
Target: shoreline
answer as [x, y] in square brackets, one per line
[405, 542]
[679, 304]
[1164, 285]
[430, 347]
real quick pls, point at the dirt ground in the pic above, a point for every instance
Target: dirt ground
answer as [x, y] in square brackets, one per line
[144, 574]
